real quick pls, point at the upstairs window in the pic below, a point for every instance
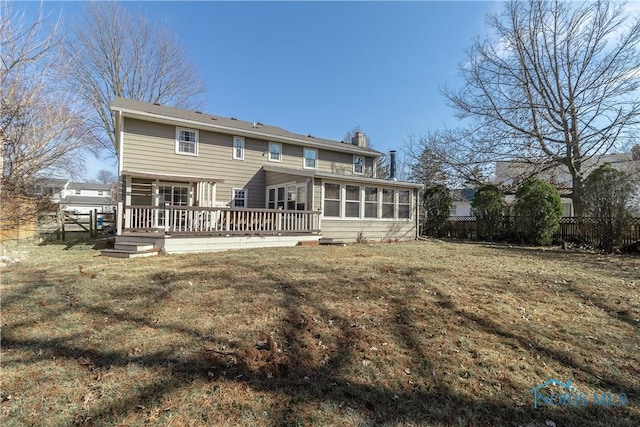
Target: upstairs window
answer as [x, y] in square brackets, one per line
[310, 158]
[275, 152]
[238, 148]
[358, 165]
[187, 142]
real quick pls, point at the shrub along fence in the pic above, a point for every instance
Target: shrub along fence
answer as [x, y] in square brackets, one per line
[571, 229]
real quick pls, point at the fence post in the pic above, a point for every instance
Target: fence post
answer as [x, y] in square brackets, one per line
[91, 217]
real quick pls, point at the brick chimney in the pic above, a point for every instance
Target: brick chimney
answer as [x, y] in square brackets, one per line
[359, 140]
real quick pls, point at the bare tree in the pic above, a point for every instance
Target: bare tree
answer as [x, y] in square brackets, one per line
[106, 177]
[116, 53]
[557, 86]
[42, 134]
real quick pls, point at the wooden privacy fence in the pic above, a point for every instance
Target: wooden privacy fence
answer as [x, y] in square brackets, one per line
[586, 229]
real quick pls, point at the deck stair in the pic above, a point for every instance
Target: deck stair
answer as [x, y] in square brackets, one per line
[124, 248]
[330, 242]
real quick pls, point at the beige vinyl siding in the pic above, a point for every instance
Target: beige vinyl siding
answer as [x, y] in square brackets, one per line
[149, 147]
[328, 161]
[348, 230]
[317, 194]
[276, 178]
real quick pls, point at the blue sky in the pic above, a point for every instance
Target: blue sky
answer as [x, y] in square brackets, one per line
[322, 68]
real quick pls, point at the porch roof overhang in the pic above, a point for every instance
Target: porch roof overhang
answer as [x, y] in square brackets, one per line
[340, 177]
[165, 177]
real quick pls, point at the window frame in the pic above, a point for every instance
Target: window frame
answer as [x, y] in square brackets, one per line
[179, 141]
[393, 204]
[399, 204]
[388, 210]
[276, 144]
[304, 158]
[355, 172]
[77, 192]
[351, 202]
[234, 154]
[324, 200]
[375, 203]
[234, 198]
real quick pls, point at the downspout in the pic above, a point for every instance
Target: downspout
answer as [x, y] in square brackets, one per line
[417, 208]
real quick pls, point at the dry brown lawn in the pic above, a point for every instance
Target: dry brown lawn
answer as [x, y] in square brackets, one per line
[429, 333]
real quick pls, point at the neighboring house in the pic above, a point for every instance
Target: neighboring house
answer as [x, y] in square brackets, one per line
[510, 174]
[461, 199]
[79, 197]
[197, 182]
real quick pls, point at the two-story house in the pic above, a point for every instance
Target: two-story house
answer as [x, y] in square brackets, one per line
[79, 197]
[197, 182]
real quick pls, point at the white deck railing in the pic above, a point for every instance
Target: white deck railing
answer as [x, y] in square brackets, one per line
[191, 219]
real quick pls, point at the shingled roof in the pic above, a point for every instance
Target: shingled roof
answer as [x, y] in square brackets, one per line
[230, 124]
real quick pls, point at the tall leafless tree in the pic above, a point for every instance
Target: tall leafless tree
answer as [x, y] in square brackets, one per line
[104, 176]
[557, 85]
[116, 53]
[42, 134]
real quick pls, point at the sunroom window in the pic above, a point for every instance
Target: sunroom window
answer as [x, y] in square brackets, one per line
[387, 203]
[404, 204]
[370, 202]
[331, 199]
[352, 201]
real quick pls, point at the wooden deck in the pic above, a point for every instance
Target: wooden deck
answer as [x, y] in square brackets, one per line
[205, 221]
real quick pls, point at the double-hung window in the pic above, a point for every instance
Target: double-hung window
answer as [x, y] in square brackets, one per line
[358, 165]
[310, 158]
[275, 152]
[387, 203]
[238, 148]
[404, 204]
[187, 141]
[332, 199]
[370, 202]
[239, 198]
[352, 201]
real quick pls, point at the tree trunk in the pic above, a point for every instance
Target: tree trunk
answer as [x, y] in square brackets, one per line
[578, 205]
